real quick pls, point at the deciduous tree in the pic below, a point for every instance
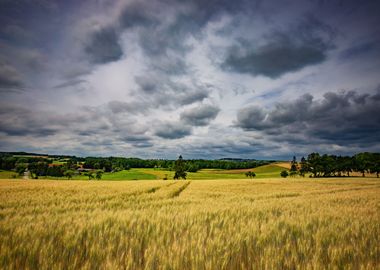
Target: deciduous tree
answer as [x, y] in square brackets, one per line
[179, 168]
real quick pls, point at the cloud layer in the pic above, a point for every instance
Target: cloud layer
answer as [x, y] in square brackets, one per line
[207, 79]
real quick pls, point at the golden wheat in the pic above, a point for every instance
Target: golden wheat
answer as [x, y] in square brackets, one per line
[223, 224]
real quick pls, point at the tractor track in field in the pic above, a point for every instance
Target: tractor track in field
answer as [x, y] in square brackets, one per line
[177, 192]
[141, 192]
[154, 189]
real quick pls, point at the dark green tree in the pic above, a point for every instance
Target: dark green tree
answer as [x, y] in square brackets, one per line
[314, 162]
[303, 167]
[250, 174]
[284, 173]
[374, 164]
[293, 167]
[98, 174]
[362, 163]
[346, 165]
[69, 174]
[90, 175]
[20, 168]
[179, 168]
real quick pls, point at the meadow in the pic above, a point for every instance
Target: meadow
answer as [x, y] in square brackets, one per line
[212, 224]
[266, 171]
[8, 174]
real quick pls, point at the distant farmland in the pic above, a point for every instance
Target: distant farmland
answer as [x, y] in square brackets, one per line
[219, 224]
[266, 171]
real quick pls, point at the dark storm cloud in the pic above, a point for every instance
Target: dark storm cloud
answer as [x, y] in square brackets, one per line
[70, 83]
[242, 148]
[163, 27]
[192, 97]
[367, 47]
[251, 118]
[138, 14]
[147, 83]
[275, 60]
[18, 121]
[139, 141]
[344, 118]
[156, 38]
[23, 121]
[158, 90]
[172, 130]
[104, 46]
[131, 107]
[155, 91]
[301, 46]
[27, 130]
[200, 116]
[22, 21]
[10, 78]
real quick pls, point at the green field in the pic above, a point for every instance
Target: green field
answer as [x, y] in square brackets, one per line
[220, 224]
[262, 172]
[8, 174]
[132, 174]
[267, 171]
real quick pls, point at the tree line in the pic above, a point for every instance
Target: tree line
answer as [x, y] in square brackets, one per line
[192, 165]
[59, 166]
[335, 166]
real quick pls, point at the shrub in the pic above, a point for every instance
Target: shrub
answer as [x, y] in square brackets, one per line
[284, 173]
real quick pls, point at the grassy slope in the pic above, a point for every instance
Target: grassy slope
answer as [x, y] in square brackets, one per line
[8, 174]
[267, 171]
[220, 224]
[132, 174]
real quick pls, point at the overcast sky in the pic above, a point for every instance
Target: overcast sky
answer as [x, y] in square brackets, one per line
[205, 79]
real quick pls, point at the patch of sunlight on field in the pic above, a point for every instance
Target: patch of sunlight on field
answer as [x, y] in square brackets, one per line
[132, 174]
[219, 224]
[266, 171]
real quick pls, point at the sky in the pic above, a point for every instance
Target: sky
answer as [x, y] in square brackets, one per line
[204, 79]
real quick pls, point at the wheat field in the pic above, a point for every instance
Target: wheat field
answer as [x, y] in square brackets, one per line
[211, 224]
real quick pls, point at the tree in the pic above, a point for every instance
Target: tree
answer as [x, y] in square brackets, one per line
[303, 167]
[20, 168]
[361, 162]
[116, 169]
[179, 168]
[37, 169]
[293, 167]
[346, 165]
[284, 173]
[374, 164]
[69, 174]
[90, 175]
[192, 167]
[250, 174]
[314, 164]
[98, 174]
